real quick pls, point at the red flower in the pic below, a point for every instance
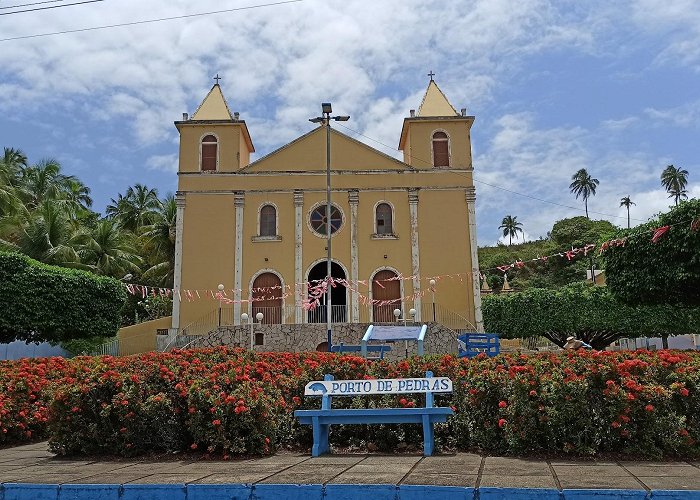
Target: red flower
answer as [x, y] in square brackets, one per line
[684, 391]
[533, 393]
[615, 424]
[403, 401]
[193, 446]
[216, 422]
[502, 404]
[502, 422]
[649, 408]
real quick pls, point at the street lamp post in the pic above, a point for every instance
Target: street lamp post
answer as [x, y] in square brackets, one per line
[325, 119]
[432, 289]
[244, 319]
[221, 292]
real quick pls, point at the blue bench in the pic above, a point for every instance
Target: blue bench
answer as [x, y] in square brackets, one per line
[473, 344]
[321, 420]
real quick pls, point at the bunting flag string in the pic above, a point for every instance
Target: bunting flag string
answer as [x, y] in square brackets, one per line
[315, 289]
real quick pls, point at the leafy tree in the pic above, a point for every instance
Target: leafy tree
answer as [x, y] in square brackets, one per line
[589, 313]
[664, 272]
[45, 182]
[627, 202]
[48, 303]
[674, 180]
[583, 185]
[48, 236]
[11, 165]
[511, 227]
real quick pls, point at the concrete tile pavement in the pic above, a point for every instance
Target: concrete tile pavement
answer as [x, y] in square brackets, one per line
[33, 464]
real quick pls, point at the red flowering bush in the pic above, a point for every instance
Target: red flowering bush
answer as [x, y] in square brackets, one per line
[232, 402]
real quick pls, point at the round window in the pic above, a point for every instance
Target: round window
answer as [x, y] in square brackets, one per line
[319, 221]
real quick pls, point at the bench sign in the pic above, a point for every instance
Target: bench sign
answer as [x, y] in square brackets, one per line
[380, 386]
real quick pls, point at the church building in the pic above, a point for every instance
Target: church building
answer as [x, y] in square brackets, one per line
[403, 231]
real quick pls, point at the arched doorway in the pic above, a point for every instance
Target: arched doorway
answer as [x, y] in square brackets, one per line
[338, 295]
[385, 290]
[267, 298]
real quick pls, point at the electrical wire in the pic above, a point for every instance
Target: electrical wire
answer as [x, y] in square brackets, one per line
[578, 209]
[50, 7]
[28, 4]
[147, 21]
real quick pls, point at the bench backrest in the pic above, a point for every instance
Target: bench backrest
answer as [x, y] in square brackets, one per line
[331, 387]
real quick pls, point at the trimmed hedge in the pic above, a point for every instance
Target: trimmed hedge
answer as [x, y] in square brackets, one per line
[48, 303]
[233, 402]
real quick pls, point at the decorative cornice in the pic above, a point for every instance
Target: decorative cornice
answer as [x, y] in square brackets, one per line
[180, 199]
[238, 198]
[354, 197]
[470, 193]
[413, 196]
[298, 197]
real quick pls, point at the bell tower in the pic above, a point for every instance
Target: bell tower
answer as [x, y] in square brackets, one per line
[437, 137]
[213, 139]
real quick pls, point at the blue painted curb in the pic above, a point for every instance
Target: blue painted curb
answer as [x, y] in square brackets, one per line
[490, 493]
[420, 492]
[89, 492]
[27, 491]
[360, 492]
[154, 492]
[288, 492]
[219, 491]
[605, 494]
[673, 495]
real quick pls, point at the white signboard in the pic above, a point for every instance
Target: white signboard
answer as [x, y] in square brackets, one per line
[381, 386]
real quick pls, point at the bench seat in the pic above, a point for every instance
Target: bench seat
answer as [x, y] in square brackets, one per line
[374, 415]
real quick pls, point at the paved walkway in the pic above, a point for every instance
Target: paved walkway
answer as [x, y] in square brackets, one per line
[34, 464]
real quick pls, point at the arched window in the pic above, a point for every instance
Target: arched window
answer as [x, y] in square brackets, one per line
[384, 219]
[441, 150]
[268, 221]
[209, 153]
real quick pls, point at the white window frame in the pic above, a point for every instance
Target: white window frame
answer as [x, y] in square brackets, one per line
[218, 148]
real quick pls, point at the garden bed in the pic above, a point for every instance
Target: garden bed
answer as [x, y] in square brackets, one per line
[231, 402]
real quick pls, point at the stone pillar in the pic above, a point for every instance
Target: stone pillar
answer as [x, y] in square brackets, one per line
[299, 289]
[476, 293]
[354, 200]
[177, 272]
[238, 203]
[415, 253]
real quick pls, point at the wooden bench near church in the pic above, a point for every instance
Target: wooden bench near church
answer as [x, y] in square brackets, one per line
[321, 420]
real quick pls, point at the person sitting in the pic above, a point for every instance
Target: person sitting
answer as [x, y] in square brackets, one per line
[574, 344]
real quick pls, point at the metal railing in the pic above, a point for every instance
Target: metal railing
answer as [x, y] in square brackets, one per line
[110, 348]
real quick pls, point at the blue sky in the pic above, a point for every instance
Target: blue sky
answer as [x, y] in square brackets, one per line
[555, 86]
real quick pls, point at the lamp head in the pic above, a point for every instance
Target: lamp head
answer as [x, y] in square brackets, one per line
[412, 312]
[244, 317]
[317, 119]
[397, 313]
[341, 118]
[259, 316]
[326, 107]
[220, 287]
[432, 282]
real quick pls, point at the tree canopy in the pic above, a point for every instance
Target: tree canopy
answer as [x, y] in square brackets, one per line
[587, 312]
[49, 303]
[663, 272]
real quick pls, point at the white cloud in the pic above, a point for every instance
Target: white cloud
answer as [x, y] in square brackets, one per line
[519, 238]
[166, 163]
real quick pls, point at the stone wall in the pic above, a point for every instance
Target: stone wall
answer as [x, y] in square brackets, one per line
[312, 336]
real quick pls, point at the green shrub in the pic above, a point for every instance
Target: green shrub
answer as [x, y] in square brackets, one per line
[48, 303]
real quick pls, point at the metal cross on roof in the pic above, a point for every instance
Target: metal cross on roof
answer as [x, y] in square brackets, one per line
[431, 75]
[217, 78]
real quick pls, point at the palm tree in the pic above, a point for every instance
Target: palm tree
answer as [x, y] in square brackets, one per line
[12, 163]
[511, 227]
[674, 180]
[583, 185]
[158, 241]
[48, 236]
[627, 202]
[139, 207]
[106, 250]
[44, 181]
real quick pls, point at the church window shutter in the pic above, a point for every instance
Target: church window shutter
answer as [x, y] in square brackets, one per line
[268, 221]
[441, 150]
[209, 153]
[384, 219]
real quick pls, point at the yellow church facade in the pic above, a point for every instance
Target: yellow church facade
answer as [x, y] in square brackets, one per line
[403, 232]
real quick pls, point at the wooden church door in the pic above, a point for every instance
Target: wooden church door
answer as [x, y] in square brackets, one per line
[385, 290]
[267, 298]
